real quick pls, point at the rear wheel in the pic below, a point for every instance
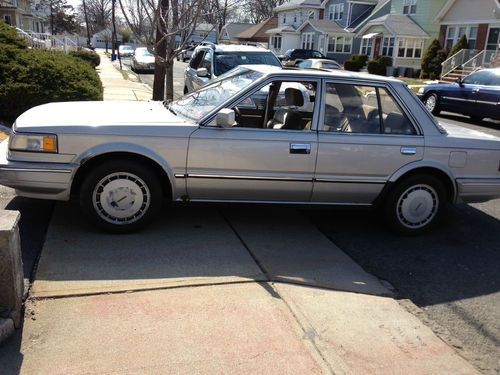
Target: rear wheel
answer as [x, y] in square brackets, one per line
[120, 196]
[432, 103]
[415, 204]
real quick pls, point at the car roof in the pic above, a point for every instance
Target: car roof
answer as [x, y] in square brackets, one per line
[235, 48]
[270, 69]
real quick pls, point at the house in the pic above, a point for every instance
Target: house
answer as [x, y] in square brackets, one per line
[479, 21]
[230, 30]
[20, 14]
[257, 33]
[291, 15]
[204, 32]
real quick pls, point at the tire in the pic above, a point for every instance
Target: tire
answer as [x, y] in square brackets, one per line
[140, 194]
[432, 103]
[415, 204]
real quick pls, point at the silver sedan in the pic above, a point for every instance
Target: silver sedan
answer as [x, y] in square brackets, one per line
[330, 138]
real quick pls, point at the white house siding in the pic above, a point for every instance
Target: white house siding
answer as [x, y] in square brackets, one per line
[471, 11]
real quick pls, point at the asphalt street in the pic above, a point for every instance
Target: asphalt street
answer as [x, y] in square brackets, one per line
[451, 274]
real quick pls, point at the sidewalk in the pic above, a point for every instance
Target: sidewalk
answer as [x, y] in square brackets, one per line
[116, 87]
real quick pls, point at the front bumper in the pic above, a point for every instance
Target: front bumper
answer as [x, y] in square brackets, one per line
[36, 180]
[472, 190]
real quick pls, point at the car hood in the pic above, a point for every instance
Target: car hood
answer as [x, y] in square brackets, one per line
[71, 116]
[145, 59]
[460, 136]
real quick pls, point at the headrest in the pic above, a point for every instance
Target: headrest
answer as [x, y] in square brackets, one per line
[294, 97]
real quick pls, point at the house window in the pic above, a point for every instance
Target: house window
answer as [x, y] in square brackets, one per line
[308, 40]
[454, 33]
[295, 17]
[366, 46]
[276, 42]
[336, 12]
[311, 15]
[388, 46]
[410, 7]
[339, 44]
[410, 48]
[7, 19]
[284, 17]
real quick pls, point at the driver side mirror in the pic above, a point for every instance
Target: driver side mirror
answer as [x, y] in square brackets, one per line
[225, 118]
[460, 81]
[202, 72]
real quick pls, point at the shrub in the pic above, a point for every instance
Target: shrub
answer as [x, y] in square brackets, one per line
[385, 61]
[351, 65]
[88, 56]
[32, 77]
[8, 37]
[360, 59]
[374, 67]
[427, 61]
[461, 44]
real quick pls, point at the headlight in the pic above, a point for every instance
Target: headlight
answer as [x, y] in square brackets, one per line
[33, 142]
[421, 90]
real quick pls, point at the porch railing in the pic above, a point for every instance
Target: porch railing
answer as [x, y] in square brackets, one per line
[458, 59]
[47, 41]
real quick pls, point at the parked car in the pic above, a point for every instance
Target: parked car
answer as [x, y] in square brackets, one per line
[319, 64]
[210, 61]
[143, 60]
[293, 57]
[185, 54]
[477, 95]
[125, 50]
[218, 144]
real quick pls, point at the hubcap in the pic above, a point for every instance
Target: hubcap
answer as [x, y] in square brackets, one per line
[121, 198]
[417, 206]
[430, 103]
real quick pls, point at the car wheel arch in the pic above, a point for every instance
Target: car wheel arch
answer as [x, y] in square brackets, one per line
[434, 169]
[163, 172]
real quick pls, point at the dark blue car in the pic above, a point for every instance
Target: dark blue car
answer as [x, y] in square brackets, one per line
[477, 95]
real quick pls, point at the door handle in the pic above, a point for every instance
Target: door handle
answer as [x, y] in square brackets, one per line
[405, 150]
[300, 148]
[475, 90]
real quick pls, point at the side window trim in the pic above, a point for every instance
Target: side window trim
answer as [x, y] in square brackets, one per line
[377, 85]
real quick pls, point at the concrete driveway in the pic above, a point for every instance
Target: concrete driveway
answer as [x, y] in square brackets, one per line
[211, 291]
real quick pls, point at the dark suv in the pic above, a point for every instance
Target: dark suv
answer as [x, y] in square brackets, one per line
[294, 56]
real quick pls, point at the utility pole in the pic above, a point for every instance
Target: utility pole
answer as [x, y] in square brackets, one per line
[51, 17]
[86, 23]
[114, 37]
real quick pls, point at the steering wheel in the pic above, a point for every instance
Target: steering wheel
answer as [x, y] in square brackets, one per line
[237, 111]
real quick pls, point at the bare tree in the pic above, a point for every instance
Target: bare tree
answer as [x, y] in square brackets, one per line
[164, 26]
[98, 13]
[218, 12]
[259, 10]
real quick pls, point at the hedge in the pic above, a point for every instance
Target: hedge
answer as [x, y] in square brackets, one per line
[385, 61]
[351, 65]
[374, 67]
[32, 77]
[360, 58]
[88, 56]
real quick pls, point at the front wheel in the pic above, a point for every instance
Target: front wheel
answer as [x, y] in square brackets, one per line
[120, 196]
[415, 204]
[432, 103]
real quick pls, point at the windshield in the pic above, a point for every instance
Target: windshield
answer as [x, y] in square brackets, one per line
[143, 52]
[225, 61]
[196, 105]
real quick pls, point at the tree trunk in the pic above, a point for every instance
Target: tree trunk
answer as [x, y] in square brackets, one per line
[170, 80]
[161, 50]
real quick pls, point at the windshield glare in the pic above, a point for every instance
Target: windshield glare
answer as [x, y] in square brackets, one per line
[226, 61]
[198, 104]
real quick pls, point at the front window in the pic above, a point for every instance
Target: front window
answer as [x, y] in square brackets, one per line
[308, 41]
[366, 46]
[339, 44]
[410, 7]
[225, 61]
[410, 48]
[479, 78]
[276, 42]
[363, 109]
[454, 33]
[198, 104]
[388, 46]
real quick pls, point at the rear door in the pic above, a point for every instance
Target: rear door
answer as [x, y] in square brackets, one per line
[485, 93]
[364, 137]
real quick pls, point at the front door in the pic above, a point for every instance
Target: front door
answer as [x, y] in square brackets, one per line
[268, 155]
[376, 48]
[364, 138]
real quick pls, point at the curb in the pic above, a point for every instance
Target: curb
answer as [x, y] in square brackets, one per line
[6, 329]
